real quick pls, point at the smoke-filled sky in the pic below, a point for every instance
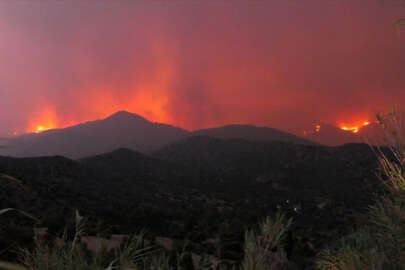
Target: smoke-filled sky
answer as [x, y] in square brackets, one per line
[199, 63]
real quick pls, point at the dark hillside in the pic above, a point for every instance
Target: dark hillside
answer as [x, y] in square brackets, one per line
[202, 188]
[252, 133]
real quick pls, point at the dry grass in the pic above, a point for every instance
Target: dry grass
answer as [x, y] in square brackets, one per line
[264, 249]
[380, 245]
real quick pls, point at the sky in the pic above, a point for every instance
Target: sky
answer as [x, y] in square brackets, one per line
[285, 64]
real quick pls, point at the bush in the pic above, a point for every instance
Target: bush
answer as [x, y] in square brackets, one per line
[264, 250]
[380, 245]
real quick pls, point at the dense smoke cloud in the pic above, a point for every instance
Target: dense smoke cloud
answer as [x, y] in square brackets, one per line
[198, 64]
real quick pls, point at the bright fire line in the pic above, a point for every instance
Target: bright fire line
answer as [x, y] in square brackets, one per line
[355, 129]
[40, 129]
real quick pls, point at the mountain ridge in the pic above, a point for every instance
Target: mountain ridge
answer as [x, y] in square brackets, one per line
[121, 129]
[252, 133]
[127, 130]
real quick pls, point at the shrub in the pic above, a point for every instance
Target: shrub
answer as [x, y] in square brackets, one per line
[380, 245]
[68, 254]
[263, 249]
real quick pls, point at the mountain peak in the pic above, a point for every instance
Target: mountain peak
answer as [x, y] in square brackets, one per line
[122, 129]
[126, 115]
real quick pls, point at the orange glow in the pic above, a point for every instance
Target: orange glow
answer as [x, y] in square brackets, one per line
[355, 128]
[44, 119]
[352, 129]
[42, 129]
[39, 129]
[146, 93]
[170, 64]
[316, 129]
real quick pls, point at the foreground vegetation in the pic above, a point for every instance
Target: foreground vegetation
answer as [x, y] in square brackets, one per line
[380, 244]
[263, 250]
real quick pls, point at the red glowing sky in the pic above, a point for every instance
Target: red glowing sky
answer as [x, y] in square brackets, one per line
[197, 64]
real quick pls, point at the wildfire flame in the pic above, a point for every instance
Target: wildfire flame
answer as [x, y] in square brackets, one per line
[44, 119]
[354, 128]
[40, 129]
[147, 95]
[317, 128]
